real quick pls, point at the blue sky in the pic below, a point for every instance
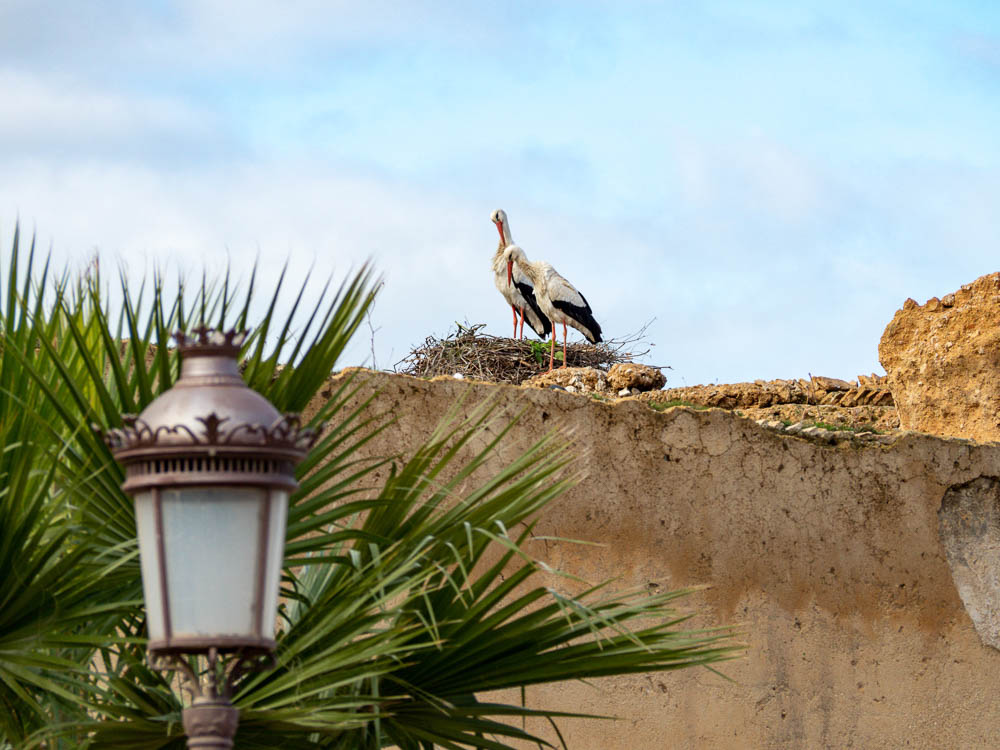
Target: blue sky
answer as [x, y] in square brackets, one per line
[769, 181]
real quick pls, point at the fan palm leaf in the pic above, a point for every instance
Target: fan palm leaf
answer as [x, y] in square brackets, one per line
[400, 602]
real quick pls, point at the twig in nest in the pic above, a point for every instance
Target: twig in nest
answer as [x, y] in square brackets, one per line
[503, 360]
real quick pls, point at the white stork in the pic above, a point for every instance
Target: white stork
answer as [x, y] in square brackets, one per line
[518, 290]
[559, 299]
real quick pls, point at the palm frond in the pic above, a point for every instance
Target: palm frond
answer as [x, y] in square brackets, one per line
[400, 602]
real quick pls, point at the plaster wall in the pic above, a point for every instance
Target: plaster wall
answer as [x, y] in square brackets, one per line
[828, 556]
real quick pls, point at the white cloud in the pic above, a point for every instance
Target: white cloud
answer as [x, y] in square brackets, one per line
[55, 114]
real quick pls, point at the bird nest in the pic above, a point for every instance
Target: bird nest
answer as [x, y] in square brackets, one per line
[498, 359]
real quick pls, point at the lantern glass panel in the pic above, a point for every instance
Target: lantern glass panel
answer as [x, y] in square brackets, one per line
[149, 560]
[216, 555]
[211, 548]
[278, 518]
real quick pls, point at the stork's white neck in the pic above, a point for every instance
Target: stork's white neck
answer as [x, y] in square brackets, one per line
[526, 267]
[507, 239]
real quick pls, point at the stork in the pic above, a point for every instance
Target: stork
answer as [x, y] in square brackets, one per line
[517, 291]
[557, 298]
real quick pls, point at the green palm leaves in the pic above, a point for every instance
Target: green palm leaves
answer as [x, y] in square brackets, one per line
[401, 602]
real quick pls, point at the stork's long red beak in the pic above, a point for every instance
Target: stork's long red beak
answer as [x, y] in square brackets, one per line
[510, 271]
[499, 229]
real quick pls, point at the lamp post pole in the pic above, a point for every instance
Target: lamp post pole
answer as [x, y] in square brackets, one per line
[210, 464]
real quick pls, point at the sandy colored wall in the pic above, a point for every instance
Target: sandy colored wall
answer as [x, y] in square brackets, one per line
[829, 556]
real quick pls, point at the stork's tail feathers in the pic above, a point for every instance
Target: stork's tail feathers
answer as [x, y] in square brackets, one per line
[582, 319]
[543, 323]
[591, 329]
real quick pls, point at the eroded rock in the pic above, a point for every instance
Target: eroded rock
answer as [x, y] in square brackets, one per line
[635, 376]
[822, 383]
[582, 379]
[943, 362]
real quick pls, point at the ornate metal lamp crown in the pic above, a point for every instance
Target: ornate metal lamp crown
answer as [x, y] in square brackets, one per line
[210, 340]
[210, 428]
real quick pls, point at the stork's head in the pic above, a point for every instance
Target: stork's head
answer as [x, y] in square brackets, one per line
[499, 218]
[513, 254]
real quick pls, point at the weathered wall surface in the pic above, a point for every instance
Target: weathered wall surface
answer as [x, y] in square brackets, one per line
[828, 555]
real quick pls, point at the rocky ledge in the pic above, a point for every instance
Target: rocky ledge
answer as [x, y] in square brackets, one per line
[623, 379]
[826, 433]
[821, 408]
[868, 390]
[942, 360]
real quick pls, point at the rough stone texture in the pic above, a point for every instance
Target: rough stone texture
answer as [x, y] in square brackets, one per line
[828, 555]
[631, 375]
[863, 397]
[830, 384]
[735, 395]
[943, 362]
[583, 379]
[826, 432]
[871, 390]
[970, 532]
[881, 418]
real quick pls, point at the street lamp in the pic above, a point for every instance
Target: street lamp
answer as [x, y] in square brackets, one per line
[210, 464]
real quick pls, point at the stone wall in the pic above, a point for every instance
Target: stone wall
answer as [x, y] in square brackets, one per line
[828, 555]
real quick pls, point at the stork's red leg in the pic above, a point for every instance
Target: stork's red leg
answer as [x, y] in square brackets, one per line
[514, 310]
[552, 349]
[520, 332]
[564, 343]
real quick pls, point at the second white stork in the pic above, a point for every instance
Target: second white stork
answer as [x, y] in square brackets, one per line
[557, 298]
[518, 291]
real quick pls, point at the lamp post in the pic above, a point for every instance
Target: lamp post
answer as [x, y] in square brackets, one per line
[210, 464]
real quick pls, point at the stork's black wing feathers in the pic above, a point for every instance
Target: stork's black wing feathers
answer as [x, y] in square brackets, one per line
[528, 293]
[582, 315]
